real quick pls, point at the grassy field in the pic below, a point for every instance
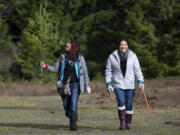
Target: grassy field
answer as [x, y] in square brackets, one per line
[35, 109]
[45, 116]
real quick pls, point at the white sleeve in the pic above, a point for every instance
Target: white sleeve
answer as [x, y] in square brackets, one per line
[85, 73]
[55, 67]
[108, 71]
[137, 70]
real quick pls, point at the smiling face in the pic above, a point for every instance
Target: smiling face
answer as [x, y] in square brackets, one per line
[68, 46]
[123, 46]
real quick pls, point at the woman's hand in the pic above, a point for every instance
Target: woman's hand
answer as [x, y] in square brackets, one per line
[88, 90]
[44, 65]
[140, 84]
[110, 89]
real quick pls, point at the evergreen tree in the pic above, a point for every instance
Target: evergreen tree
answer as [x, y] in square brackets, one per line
[165, 16]
[5, 39]
[40, 39]
[128, 22]
[140, 32]
[152, 28]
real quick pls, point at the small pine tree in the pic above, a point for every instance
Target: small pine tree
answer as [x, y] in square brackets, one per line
[39, 40]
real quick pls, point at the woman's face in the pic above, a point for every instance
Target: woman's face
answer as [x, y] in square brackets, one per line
[68, 46]
[123, 47]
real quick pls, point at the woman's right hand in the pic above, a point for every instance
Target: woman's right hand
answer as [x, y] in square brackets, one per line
[44, 65]
[110, 89]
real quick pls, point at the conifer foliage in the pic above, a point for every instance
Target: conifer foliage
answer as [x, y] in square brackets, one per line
[43, 27]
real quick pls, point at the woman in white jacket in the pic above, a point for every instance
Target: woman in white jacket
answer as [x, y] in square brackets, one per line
[122, 71]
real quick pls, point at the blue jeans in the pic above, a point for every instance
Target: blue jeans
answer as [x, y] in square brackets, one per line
[125, 99]
[70, 102]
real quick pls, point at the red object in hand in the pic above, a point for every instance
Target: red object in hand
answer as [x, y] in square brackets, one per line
[46, 66]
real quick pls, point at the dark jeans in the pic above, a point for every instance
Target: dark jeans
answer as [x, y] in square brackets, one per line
[70, 102]
[125, 100]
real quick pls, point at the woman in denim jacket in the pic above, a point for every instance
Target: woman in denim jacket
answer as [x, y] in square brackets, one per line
[72, 69]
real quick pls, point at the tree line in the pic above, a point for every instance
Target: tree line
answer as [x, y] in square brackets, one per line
[39, 30]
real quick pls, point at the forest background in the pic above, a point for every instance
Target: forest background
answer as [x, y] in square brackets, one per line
[34, 30]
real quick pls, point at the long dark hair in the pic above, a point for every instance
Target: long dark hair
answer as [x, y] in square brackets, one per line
[75, 50]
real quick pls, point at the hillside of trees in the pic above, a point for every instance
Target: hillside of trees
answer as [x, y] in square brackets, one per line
[34, 30]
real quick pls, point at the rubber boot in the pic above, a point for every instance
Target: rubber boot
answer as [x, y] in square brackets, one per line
[73, 120]
[122, 118]
[128, 121]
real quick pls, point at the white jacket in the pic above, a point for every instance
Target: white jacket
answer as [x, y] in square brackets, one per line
[114, 74]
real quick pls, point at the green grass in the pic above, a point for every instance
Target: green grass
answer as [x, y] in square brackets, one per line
[45, 116]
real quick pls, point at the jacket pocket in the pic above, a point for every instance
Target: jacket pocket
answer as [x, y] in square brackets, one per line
[117, 78]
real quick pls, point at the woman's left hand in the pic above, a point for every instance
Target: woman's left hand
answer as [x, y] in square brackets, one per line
[140, 84]
[88, 90]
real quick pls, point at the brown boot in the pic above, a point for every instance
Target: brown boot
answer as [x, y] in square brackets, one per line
[122, 118]
[128, 121]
